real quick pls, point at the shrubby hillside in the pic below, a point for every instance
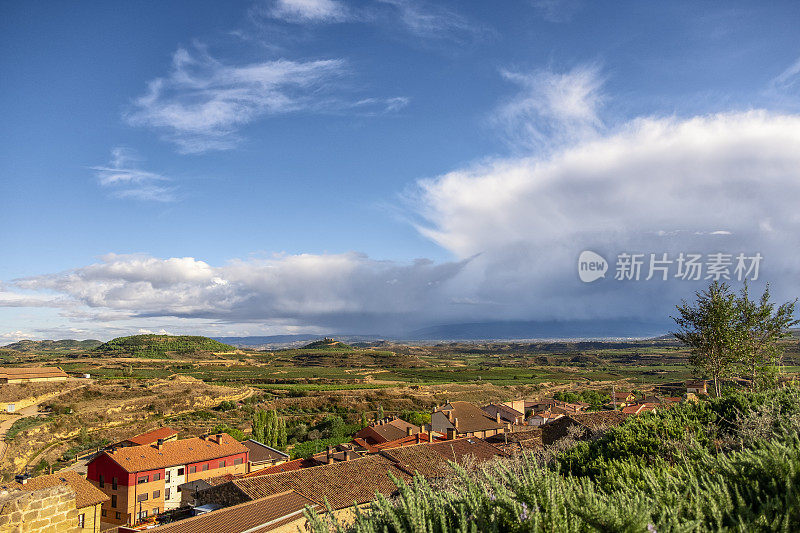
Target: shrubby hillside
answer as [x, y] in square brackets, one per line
[161, 346]
[730, 464]
[26, 346]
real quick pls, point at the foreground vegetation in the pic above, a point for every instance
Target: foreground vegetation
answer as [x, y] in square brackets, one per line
[731, 464]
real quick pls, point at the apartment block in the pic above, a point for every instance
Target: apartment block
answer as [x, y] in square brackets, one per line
[142, 481]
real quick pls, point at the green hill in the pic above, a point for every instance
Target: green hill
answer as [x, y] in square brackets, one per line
[65, 345]
[161, 346]
[327, 344]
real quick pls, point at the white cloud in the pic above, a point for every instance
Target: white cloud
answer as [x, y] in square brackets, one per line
[203, 103]
[125, 180]
[314, 11]
[348, 290]
[552, 109]
[431, 20]
[14, 336]
[789, 79]
[556, 10]
[710, 183]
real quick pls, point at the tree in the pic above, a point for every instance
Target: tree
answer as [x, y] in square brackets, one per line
[380, 412]
[762, 326]
[711, 329]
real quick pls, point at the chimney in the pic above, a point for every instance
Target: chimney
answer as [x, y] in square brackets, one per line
[160, 443]
[329, 455]
[455, 422]
[219, 438]
[451, 433]
[497, 416]
[409, 431]
[419, 438]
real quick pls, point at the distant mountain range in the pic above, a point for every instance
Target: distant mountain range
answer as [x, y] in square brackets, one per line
[511, 330]
[541, 330]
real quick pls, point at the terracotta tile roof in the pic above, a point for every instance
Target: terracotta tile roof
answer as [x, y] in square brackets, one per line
[471, 418]
[262, 453]
[357, 481]
[529, 436]
[269, 513]
[86, 494]
[432, 460]
[152, 436]
[392, 429]
[557, 429]
[288, 466]
[24, 372]
[179, 452]
[457, 450]
[506, 412]
[408, 440]
[341, 484]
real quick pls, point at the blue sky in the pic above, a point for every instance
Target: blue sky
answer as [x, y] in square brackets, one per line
[321, 165]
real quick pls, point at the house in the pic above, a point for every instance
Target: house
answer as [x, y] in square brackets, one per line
[164, 434]
[144, 480]
[507, 414]
[621, 399]
[280, 512]
[697, 386]
[387, 429]
[543, 417]
[463, 419]
[639, 408]
[189, 490]
[347, 483]
[342, 452]
[88, 499]
[263, 456]
[32, 374]
[517, 405]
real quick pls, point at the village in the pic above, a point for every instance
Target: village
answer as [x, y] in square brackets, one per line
[162, 481]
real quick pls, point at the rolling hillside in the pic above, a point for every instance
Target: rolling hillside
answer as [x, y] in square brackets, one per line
[66, 345]
[161, 346]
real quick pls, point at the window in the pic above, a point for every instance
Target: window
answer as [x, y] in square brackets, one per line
[113, 500]
[237, 461]
[103, 512]
[180, 471]
[222, 464]
[192, 469]
[205, 467]
[114, 483]
[102, 481]
[166, 477]
[81, 520]
[156, 494]
[166, 493]
[142, 515]
[143, 479]
[118, 515]
[141, 498]
[156, 476]
[155, 511]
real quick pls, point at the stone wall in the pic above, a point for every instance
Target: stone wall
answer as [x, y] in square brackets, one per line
[50, 510]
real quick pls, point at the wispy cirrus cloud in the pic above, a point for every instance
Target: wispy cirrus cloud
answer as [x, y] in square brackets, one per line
[557, 10]
[124, 179]
[551, 108]
[203, 102]
[308, 11]
[421, 18]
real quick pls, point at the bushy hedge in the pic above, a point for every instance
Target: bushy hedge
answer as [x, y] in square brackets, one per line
[691, 468]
